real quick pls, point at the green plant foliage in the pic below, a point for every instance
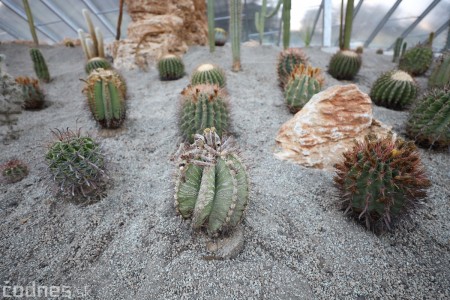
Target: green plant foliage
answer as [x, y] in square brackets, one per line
[344, 65]
[14, 171]
[208, 73]
[220, 37]
[170, 67]
[33, 96]
[440, 76]
[417, 60]
[40, 67]
[96, 63]
[212, 186]
[287, 60]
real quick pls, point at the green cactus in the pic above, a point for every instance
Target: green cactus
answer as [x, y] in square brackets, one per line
[211, 33]
[397, 48]
[417, 60]
[303, 83]
[203, 106]
[170, 67]
[40, 67]
[287, 60]
[440, 76]
[33, 96]
[345, 65]
[95, 63]
[76, 164]
[208, 73]
[429, 121]
[220, 37]
[14, 171]
[394, 89]
[105, 91]
[235, 33]
[212, 186]
[379, 180]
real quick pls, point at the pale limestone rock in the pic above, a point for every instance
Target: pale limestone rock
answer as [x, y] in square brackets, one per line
[327, 126]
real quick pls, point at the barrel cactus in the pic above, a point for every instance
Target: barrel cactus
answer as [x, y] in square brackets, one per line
[429, 121]
[441, 73]
[203, 106]
[220, 36]
[40, 66]
[212, 184]
[96, 63]
[380, 180]
[76, 164]
[33, 96]
[417, 60]
[14, 170]
[105, 91]
[344, 65]
[304, 82]
[394, 89]
[170, 67]
[208, 73]
[287, 60]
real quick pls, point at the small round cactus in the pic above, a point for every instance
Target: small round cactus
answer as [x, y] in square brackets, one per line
[287, 60]
[212, 184]
[96, 63]
[417, 60]
[394, 89]
[76, 164]
[429, 121]
[220, 37]
[440, 76]
[33, 96]
[380, 179]
[344, 65]
[379, 51]
[359, 50]
[208, 73]
[14, 171]
[170, 67]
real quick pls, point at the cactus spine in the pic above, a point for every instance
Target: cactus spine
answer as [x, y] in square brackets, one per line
[441, 73]
[287, 60]
[170, 67]
[210, 7]
[208, 73]
[345, 65]
[235, 33]
[34, 98]
[40, 67]
[14, 171]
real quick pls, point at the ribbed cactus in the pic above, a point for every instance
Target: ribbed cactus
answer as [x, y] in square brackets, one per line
[203, 106]
[96, 63]
[399, 46]
[105, 93]
[14, 171]
[287, 60]
[208, 73]
[76, 164]
[212, 186]
[380, 179]
[235, 33]
[417, 60]
[394, 89]
[429, 121]
[345, 65]
[211, 33]
[220, 36]
[170, 67]
[304, 82]
[40, 67]
[33, 96]
[440, 76]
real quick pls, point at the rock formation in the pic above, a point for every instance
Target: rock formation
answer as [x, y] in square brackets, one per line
[327, 126]
[11, 101]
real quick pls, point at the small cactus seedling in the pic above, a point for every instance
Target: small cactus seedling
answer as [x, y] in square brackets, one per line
[76, 164]
[220, 36]
[304, 82]
[34, 98]
[287, 60]
[344, 65]
[40, 67]
[394, 89]
[96, 63]
[359, 50]
[440, 76]
[429, 121]
[208, 73]
[14, 171]
[417, 60]
[380, 179]
[170, 67]
[212, 186]
[203, 106]
[105, 91]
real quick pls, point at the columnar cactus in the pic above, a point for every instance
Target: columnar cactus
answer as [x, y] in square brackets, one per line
[380, 179]
[40, 67]
[203, 106]
[304, 82]
[170, 67]
[345, 65]
[220, 36]
[212, 186]
[429, 121]
[394, 89]
[417, 60]
[441, 73]
[235, 33]
[96, 63]
[14, 171]
[208, 73]
[76, 164]
[33, 96]
[287, 60]
[105, 92]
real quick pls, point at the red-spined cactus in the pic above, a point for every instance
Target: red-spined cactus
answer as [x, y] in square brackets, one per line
[14, 170]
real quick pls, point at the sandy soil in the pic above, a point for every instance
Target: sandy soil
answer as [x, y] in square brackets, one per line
[132, 245]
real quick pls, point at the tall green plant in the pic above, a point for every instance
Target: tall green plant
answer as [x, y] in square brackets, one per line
[26, 5]
[286, 23]
[348, 24]
[235, 33]
[211, 35]
[260, 19]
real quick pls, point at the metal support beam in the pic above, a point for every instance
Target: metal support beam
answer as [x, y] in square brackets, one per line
[60, 14]
[327, 10]
[382, 23]
[416, 22]
[18, 11]
[316, 20]
[358, 6]
[94, 9]
[439, 31]
[10, 31]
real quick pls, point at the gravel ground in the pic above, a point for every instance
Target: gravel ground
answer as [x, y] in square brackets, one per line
[132, 245]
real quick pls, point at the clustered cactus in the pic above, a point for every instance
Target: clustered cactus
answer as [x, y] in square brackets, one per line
[33, 96]
[14, 171]
[344, 65]
[440, 76]
[208, 74]
[212, 184]
[380, 180]
[97, 63]
[394, 89]
[92, 45]
[417, 60]
[220, 37]
[170, 67]
[40, 66]
[287, 60]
